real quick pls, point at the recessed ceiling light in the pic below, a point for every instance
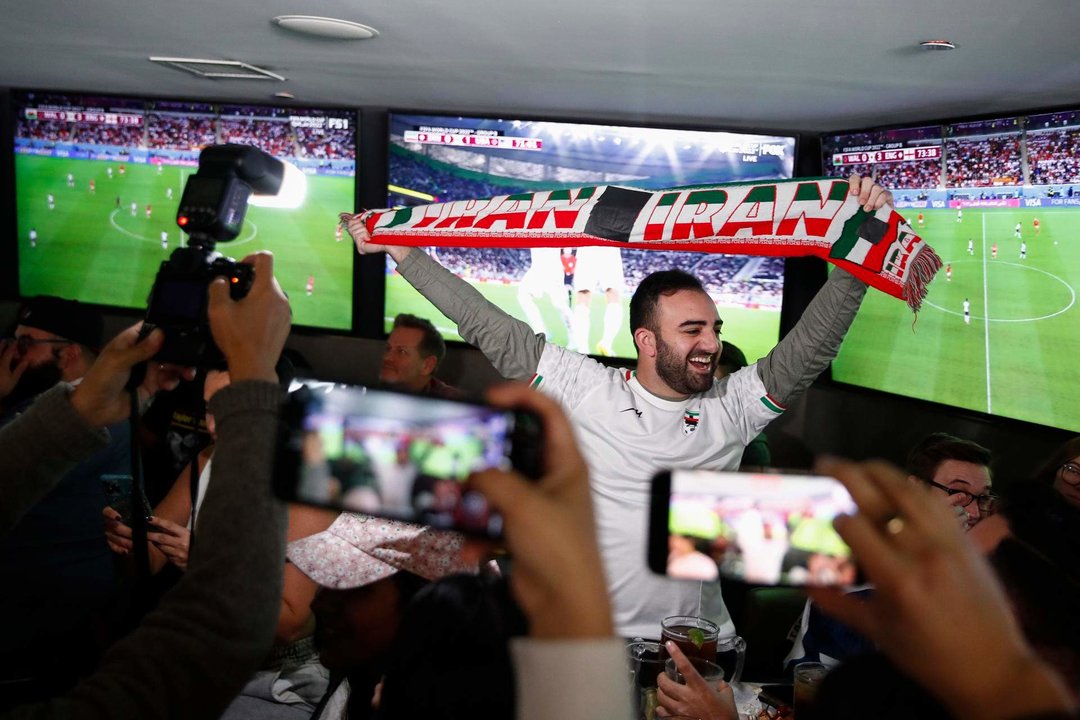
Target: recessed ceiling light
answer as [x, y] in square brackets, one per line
[325, 27]
[937, 45]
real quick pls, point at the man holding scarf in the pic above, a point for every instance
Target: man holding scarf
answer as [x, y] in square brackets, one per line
[669, 413]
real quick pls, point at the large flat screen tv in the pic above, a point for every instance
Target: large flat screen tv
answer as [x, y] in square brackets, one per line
[98, 180]
[580, 298]
[1000, 201]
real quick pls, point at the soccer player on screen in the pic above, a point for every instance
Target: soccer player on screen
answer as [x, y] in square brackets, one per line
[164, 240]
[682, 416]
[168, 193]
[51, 201]
[134, 209]
[122, 170]
[108, 172]
[959, 214]
[310, 284]
[971, 246]
[948, 272]
[598, 268]
[1035, 224]
[149, 209]
[967, 311]
[92, 186]
[544, 278]
[1016, 231]
[993, 251]
[71, 180]
[337, 233]
[1023, 250]
[33, 237]
[921, 219]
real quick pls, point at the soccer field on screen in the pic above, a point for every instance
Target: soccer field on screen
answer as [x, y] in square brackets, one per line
[1016, 357]
[96, 248]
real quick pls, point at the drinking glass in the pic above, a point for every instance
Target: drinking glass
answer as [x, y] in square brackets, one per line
[695, 636]
[643, 658]
[731, 656]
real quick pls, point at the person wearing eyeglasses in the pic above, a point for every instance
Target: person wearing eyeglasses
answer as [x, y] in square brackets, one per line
[1062, 471]
[956, 471]
[55, 340]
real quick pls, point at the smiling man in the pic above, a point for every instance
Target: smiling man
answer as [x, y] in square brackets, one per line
[669, 413]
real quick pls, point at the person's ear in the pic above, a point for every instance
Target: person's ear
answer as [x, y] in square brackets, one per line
[645, 340]
[69, 355]
[430, 363]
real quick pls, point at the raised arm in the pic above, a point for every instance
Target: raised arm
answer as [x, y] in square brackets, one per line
[814, 341]
[508, 343]
[191, 655]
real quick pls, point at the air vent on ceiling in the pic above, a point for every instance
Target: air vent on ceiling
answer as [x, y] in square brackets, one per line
[218, 69]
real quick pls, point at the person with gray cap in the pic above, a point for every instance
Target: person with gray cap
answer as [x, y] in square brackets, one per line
[367, 569]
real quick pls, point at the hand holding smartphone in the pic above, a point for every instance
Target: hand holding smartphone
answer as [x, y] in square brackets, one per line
[401, 456]
[763, 528]
[118, 492]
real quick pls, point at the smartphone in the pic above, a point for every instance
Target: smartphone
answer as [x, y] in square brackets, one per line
[761, 528]
[399, 455]
[118, 493]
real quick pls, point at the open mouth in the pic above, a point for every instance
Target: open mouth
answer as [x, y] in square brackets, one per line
[700, 363]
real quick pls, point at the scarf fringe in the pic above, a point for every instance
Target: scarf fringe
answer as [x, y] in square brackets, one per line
[922, 269]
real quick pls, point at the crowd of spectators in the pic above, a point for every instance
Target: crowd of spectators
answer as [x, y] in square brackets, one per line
[846, 171]
[325, 144]
[98, 134]
[504, 265]
[275, 138]
[983, 162]
[1053, 156]
[179, 132]
[909, 174]
[48, 130]
[412, 173]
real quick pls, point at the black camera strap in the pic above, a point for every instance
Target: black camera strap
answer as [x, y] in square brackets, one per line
[142, 597]
[193, 486]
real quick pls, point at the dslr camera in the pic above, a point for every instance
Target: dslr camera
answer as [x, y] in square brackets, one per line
[212, 209]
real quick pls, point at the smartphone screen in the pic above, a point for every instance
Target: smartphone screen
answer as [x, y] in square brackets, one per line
[762, 528]
[118, 492]
[401, 456]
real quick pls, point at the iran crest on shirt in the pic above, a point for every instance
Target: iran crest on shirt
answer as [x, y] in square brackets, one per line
[690, 421]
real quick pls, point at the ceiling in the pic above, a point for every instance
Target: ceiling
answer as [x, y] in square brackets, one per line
[798, 66]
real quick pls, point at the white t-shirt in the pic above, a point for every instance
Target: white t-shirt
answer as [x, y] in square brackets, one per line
[628, 435]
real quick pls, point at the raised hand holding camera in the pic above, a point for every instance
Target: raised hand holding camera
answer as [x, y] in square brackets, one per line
[212, 209]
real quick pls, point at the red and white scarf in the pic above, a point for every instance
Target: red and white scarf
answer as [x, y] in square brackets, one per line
[780, 218]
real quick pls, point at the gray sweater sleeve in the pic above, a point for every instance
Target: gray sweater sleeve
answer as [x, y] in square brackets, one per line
[190, 657]
[814, 341]
[508, 343]
[38, 448]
